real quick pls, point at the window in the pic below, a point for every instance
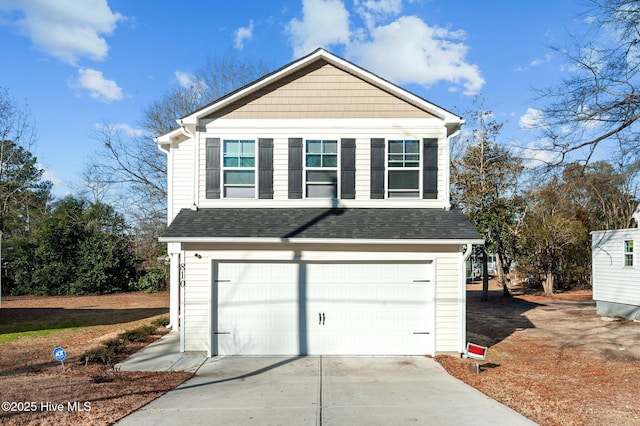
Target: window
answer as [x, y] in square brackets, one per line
[628, 253]
[403, 168]
[239, 168]
[321, 174]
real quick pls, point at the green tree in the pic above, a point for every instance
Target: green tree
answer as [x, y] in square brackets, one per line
[485, 186]
[23, 192]
[553, 235]
[561, 214]
[79, 248]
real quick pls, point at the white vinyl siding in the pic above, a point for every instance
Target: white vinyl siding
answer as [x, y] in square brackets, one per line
[197, 303]
[181, 177]
[361, 131]
[448, 299]
[363, 169]
[612, 280]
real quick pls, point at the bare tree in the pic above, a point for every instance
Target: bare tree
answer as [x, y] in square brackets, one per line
[129, 171]
[598, 103]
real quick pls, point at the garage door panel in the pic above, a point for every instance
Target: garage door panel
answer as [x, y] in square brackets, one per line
[271, 308]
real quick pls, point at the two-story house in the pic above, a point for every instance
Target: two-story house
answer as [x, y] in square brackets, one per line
[309, 214]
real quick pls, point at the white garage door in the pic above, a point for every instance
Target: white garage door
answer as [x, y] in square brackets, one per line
[322, 308]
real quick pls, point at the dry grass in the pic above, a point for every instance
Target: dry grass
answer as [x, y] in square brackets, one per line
[553, 360]
[96, 394]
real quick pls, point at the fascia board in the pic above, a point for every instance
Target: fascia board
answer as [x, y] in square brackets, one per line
[319, 241]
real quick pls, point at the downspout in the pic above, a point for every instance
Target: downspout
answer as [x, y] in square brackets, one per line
[447, 173]
[174, 258]
[196, 163]
[462, 306]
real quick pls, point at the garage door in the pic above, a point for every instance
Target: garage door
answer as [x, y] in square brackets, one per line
[322, 308]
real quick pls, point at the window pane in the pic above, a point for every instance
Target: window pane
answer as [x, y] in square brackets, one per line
[247, 162]
[321, 191]
[314, 147]
[230, 161]
[330, 161]
[321, 176]
[231, 147]
[239, 192]
[396, 146]
[411, 147]
[239, 177]
[314, 160]
[330, 147]
[249, 147]
[404, 194]
[404, 179]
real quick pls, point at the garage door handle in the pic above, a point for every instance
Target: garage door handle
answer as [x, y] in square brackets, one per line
[221, 332]
[321, 318]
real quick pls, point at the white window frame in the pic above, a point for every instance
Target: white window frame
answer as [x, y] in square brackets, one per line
[224, 168]
[628, 258]
[306, 168]
[391, 169]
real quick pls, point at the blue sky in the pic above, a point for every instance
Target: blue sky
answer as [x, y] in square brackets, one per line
[81, 63]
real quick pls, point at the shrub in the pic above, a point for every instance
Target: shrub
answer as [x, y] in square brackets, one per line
[140, 334]
[162, 321]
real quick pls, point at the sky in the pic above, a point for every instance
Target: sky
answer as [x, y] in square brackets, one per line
[78, 64]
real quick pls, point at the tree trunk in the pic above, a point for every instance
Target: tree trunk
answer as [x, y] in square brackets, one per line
[548, 284]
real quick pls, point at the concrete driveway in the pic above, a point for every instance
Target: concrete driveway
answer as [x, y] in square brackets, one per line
[323, 391]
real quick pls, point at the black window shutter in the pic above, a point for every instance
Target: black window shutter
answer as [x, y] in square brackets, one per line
[377, 168]
[212, 171]
[430, 169]
[348, 169]
[265, 168]
[295, 168]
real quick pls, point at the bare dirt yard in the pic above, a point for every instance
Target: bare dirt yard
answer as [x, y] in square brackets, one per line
[552, 358]
[34, 388]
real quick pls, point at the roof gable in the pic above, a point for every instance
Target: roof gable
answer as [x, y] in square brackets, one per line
[319, 59]
[320, 90]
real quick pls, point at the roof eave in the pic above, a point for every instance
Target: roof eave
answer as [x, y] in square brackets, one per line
[272, 240]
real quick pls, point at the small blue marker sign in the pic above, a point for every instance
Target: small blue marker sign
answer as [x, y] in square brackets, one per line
[59, 354]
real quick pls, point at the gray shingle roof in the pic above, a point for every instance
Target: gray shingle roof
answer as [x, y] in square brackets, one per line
[338, 223]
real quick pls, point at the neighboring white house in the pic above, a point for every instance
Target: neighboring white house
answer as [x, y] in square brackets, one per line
[309, 214]
[616, 271]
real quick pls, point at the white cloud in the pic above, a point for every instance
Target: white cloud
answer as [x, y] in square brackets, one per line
[374, 11]
[409, 51]
[536, 62]
[97, 85]
[324, 23]
[121, 127]
[66, 29]
[243, 34]
[537, 153]
[185, 79]
[402, 49]
[531, 120]
[48, 176]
